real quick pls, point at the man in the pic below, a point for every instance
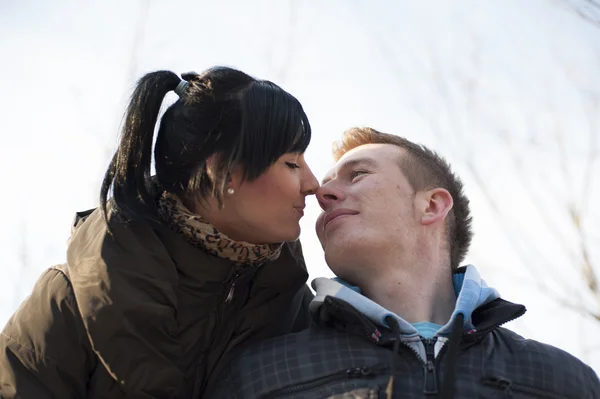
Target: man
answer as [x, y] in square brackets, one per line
[402, 319]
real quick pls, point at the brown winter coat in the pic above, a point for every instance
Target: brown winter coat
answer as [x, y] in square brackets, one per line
[144, 315]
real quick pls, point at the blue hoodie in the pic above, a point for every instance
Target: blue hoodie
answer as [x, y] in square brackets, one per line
[472, 292]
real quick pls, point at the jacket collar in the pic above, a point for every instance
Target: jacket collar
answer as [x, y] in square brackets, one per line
[471, 290]
[473, 294]
[339, 314]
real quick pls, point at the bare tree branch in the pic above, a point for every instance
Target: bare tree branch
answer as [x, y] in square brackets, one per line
[589, 10]
[453, 110]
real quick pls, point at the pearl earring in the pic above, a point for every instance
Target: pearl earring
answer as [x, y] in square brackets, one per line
[230, 191]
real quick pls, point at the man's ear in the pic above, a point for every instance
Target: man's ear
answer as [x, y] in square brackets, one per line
[438, 203]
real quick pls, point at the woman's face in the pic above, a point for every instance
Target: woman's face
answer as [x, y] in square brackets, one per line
[268, 210]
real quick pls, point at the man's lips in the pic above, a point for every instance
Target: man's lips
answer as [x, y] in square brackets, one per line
[337, 213]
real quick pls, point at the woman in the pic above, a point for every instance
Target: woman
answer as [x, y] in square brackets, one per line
[165, 280]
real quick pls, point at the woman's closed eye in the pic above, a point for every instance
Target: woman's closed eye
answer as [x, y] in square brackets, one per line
[292, 165]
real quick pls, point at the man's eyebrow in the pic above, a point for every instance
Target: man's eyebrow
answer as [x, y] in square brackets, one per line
[352, 163]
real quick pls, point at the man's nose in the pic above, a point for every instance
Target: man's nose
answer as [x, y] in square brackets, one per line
[327, 195]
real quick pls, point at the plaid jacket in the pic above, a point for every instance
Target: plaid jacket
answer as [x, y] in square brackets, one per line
[344, 355]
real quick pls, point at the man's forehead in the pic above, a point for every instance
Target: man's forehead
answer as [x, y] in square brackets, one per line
[368, 154]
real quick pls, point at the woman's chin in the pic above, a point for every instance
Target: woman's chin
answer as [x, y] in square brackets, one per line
[292, 235]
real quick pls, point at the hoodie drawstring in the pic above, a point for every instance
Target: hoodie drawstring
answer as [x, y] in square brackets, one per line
[396, 349]
[458, 326]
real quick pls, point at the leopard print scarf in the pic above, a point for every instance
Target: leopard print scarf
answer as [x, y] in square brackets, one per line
[202, 234]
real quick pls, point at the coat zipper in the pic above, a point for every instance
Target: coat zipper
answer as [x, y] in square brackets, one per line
[508, 386]
[429, 369]
[239, 269]
[230, 294]
[355, 372]
[429, 366]
[232, 281]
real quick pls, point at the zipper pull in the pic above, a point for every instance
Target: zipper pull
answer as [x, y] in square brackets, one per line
[431, 384]
[231, 292]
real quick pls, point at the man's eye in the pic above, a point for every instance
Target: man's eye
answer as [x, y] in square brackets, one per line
[292, 165]
[356, 173]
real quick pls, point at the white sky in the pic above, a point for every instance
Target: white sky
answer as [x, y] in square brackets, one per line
[507, 90]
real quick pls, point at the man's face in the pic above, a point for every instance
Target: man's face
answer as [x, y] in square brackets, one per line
[367, 207]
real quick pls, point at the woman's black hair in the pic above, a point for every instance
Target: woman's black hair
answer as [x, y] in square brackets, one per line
[223, 112]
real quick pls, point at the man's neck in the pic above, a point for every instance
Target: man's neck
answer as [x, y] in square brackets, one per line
[416, 291]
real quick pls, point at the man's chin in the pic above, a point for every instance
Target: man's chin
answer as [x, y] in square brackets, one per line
[344, 243]
[337, 256]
